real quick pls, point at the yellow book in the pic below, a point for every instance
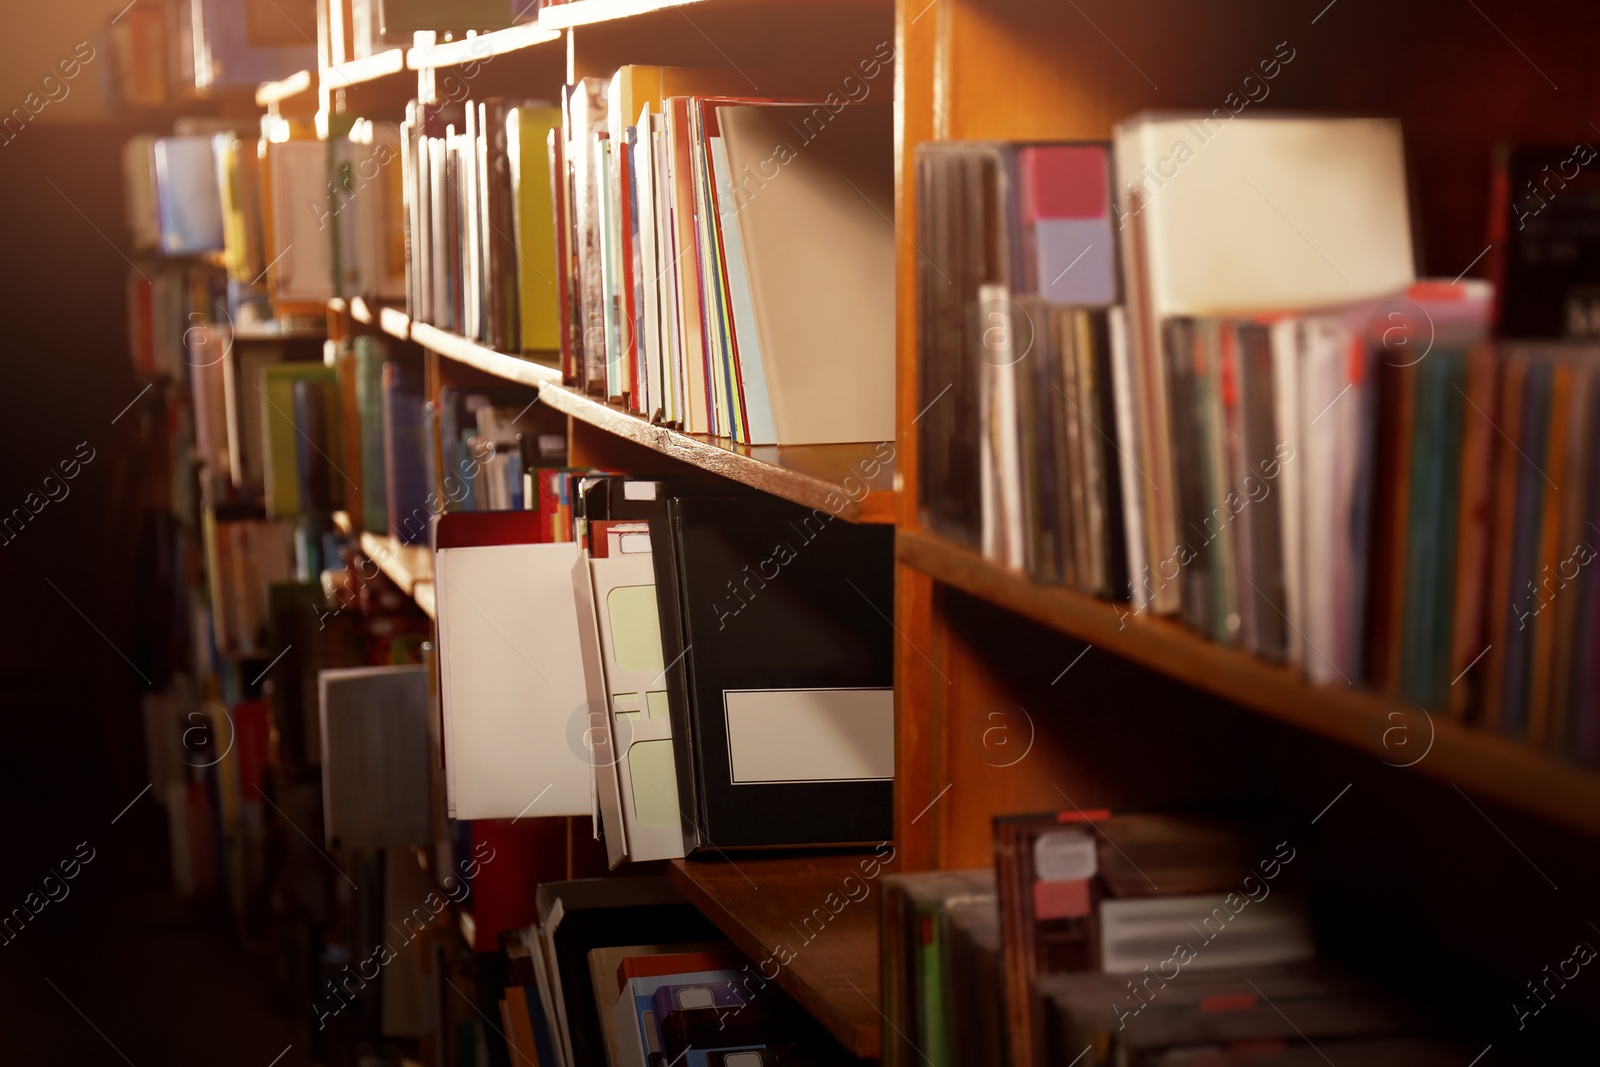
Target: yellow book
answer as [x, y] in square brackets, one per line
[533, 218]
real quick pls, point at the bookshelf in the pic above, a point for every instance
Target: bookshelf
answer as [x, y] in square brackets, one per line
[1506, 771]
[758, 903]
[284, 94]
[991, 69]
[481, 47]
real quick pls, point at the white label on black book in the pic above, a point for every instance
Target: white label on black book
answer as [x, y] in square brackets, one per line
[809, 735]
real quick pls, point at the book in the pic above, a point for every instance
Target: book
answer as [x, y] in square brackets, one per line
[513, 693]
[375, 767]
[781, 707]
[189, 203]
[576, 917]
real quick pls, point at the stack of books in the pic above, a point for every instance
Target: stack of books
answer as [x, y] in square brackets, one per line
[700, 229]
[1226, 399]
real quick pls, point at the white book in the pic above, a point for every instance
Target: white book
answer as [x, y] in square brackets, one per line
[1130, 459]
[299, 247]
[511, 679]
[1266, 211]
[1291, 509]
[818, 241]
[1140, 932]
[1322, 409]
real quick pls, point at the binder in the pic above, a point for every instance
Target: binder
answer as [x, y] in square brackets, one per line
[776, 630]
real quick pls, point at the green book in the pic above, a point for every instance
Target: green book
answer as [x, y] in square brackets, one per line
[281, 444]
[371, 354]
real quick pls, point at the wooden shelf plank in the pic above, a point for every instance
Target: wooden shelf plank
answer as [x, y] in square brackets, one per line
[593, 12]
[278, 93]
[361, 311]
[395, 323]
[409, 566]
[458, 348]
[832, 478]
[364, 70]
[1501, 769]
[771, 910]
[481, 47]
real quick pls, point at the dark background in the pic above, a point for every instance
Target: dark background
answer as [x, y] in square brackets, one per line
[119, 970]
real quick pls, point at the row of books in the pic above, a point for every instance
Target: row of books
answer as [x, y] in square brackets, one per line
[700, 230]
[626, 973]
[644, 705]
[1140, 381]
[1063, 953]
[159, 51]
[481, 221]
[671, 245]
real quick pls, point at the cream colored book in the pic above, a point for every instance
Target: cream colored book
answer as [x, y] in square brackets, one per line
[818, 237]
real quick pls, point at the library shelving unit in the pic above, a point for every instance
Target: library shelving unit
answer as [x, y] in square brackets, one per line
[1013, 696]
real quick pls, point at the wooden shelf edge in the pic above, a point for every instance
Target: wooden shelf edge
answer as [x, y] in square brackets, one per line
[594, 12]
[481, 47]
[790, 484]
[454, 346]
[409, 566]
[850, 1015]
[361, 311]
[367, 69]
[1498, 768]
[270, 93]
[395, 323]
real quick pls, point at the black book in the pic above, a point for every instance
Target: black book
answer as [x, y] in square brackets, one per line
[1265, 607]
[1192, 554]
[1546, 232]
[775, 624]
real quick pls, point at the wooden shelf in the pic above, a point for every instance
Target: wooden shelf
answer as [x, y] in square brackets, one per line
[409, 566]
[361, 311]
[830, 478]
[1503, 770]
[458, 348]
[594, 12]
[481, 47]
[362, 71]
[762, 906]
[279, 93]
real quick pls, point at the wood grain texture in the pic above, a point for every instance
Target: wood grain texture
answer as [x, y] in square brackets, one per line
[1492, 766]
[813, 909]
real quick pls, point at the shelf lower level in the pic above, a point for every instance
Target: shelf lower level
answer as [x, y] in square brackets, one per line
[773, 910]
[1504, 770]
[854, 482]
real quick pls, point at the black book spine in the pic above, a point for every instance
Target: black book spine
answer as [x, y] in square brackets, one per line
[1191, 553]
[664, 543]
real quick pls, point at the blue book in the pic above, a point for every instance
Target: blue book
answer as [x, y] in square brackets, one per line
[1529, 507]
[188, 201]
[403, 453]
